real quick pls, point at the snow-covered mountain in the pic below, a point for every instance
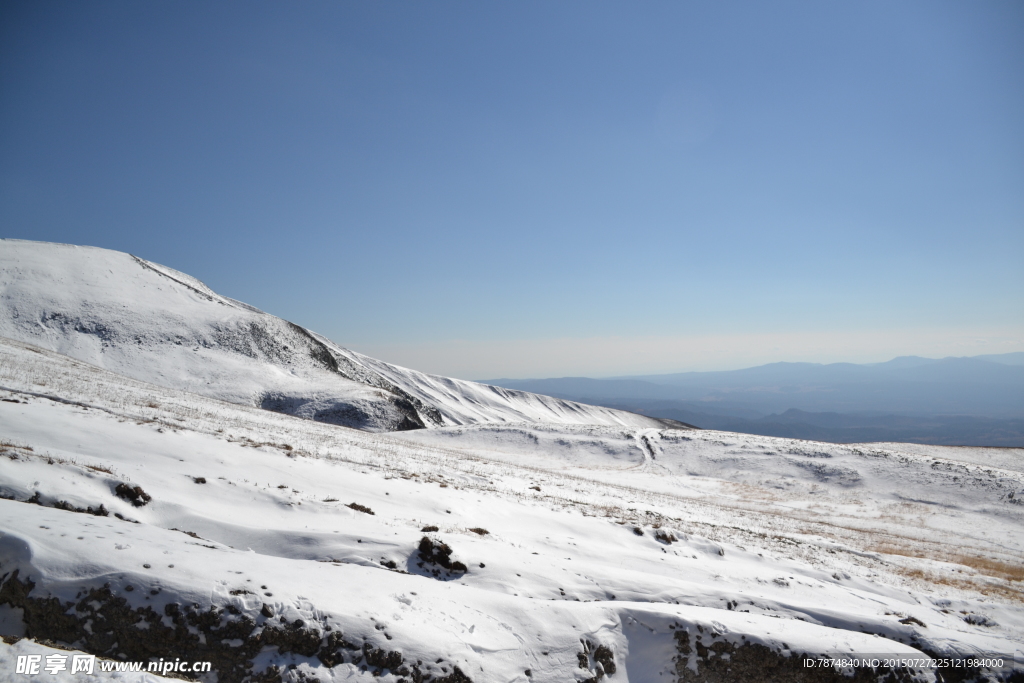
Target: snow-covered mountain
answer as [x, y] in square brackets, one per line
[155, 324]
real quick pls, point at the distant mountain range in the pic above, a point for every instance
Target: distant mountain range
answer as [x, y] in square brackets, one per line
[951, 401]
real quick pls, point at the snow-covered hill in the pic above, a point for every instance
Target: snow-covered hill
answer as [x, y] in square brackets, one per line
[152, 510]
[139, 522]
[152, 323]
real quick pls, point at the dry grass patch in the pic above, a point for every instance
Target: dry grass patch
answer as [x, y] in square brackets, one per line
[13, 451]
[752, 492]
[360, 508]
[988, 566]
[991, 567]
[1005, 591]
[993, 577]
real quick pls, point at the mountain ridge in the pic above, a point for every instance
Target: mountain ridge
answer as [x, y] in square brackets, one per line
[154, 323]
[948, 386]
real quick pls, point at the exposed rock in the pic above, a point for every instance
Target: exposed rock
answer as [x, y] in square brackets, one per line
[721, 661]
[439, 554]
[105, 624]
[596, 659]
[666, 537]
[133, 494]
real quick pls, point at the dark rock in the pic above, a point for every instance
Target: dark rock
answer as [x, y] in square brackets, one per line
[606, 658]
[382, 659]
[721, 661]
[105, 624]
[133, 494]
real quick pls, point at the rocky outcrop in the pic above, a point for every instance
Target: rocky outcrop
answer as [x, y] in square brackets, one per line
[106, 624]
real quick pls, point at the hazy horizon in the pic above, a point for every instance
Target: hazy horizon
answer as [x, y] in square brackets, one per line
[787, 362]
[591, 357]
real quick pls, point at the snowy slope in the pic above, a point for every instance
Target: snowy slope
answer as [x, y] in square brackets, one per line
[587, 552]
[156, 324]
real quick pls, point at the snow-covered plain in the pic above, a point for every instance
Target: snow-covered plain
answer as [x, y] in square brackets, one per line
[149, 507]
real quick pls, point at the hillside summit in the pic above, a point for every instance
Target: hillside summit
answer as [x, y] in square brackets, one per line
[153, 323]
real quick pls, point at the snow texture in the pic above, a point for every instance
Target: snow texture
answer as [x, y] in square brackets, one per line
[145, 513]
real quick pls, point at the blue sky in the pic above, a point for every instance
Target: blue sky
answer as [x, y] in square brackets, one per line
[541, 189]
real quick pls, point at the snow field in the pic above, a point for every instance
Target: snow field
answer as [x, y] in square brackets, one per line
[571, 559]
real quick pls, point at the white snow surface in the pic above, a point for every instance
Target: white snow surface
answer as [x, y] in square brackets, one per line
[797, 546]
[583, 533]
[155, 324]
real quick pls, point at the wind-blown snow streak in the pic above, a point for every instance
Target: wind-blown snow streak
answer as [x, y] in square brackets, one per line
[156, 324]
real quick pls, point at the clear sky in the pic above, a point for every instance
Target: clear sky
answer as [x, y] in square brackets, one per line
[531, 189]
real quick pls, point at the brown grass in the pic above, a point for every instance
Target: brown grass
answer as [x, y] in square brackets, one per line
[1004, 591]
[991, 567]
[994, 577]
[983, 565]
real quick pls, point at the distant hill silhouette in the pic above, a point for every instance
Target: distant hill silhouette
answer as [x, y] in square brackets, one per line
[951, 401]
